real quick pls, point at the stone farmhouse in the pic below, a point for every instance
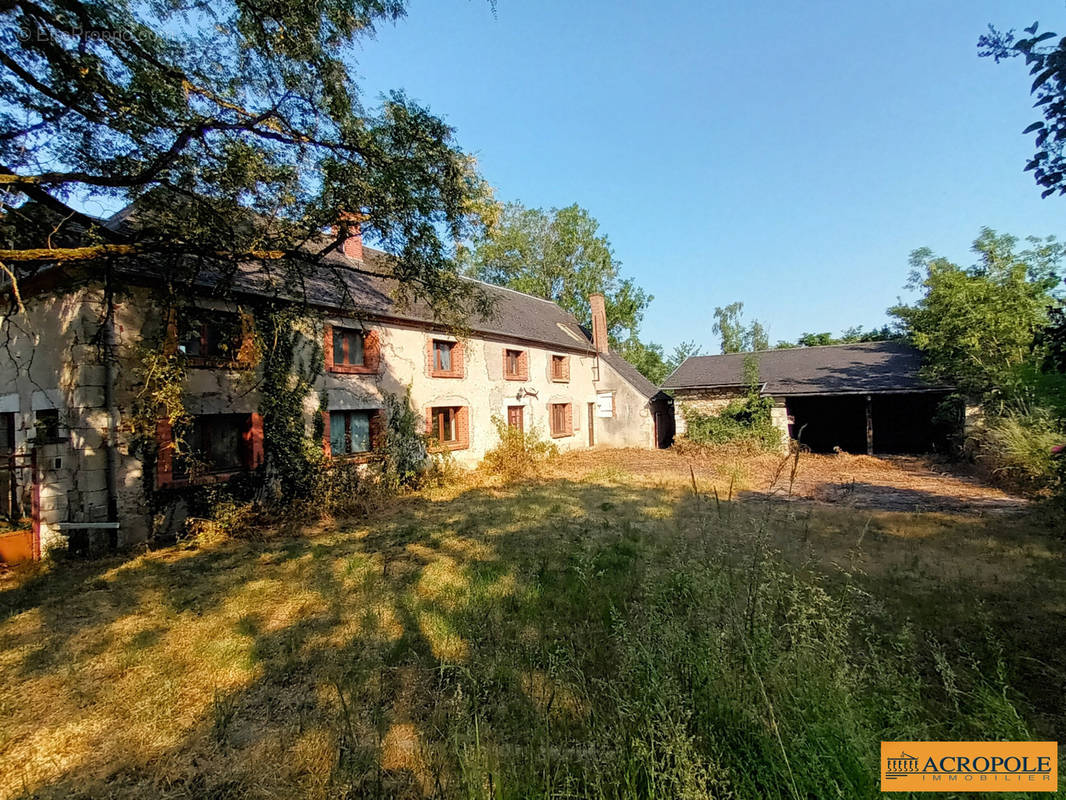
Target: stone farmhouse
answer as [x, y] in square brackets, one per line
[72, 368]
[859, 398]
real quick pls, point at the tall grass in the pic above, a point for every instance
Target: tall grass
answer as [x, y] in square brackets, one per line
[706, 670]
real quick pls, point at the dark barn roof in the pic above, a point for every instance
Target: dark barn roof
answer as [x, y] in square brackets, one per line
[861, 368]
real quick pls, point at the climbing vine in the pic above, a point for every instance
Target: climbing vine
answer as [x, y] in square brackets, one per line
[288, 377]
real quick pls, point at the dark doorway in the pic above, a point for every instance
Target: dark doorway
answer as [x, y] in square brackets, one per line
[662, 414]
[824, 423]
[902, 423]
[913, 423]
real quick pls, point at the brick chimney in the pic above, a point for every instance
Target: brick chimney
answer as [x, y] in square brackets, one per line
[599, 322]
[348, 226]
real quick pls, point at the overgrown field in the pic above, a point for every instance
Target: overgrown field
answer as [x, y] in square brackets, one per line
[596, 633]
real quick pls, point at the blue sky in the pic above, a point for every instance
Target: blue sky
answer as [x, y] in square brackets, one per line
[788, 154]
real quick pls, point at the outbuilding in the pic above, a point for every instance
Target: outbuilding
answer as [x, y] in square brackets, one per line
[867, 397]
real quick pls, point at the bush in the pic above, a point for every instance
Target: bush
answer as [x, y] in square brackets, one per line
[519, 454]
[746, 420]
[1016, 447]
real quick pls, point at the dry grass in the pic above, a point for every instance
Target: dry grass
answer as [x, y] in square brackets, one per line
[268, 668]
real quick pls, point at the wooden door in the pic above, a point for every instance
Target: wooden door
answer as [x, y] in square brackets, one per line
[514, 417]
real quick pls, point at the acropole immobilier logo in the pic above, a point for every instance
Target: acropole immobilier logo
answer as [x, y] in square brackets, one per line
[969, 766]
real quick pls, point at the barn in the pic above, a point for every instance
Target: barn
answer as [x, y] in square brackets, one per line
[867, 397]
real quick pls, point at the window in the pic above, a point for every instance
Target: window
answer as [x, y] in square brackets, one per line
[349, 432]
[561, 419]
[214, 446]
[214, 335]
[214, 443]
[447, 426]
[560, 368]
[348, 347]
[443, 427]
[442, 356]
[351, 351]
[46, 426]
[514, 365]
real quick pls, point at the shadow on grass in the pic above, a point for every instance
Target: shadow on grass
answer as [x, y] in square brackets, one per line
[352, 663]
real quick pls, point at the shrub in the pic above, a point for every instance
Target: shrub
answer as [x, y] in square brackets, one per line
[747, 420]
[519, 453]
[405, 456]
[1016, 446]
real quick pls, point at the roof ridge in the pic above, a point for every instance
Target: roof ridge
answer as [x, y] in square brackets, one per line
[797, 347]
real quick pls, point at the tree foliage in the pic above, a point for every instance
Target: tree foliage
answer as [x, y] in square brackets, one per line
[738, 336]
[847, 336]
[559, 255]
[239, 130]
[978, 325]
[651, 360]
[1045, 55]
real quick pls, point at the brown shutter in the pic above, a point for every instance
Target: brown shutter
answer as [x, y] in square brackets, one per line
[523, 365]
[377, 430]
[327, 448]
[164, 460]
[371, 351]
[429, 423]
[430, 365]
[566, 368]
[569, 425]
[328, 351]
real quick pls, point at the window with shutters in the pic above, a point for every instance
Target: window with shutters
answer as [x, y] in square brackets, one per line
[515, 365]
[209, 337]
[351, 350]
[561, 419]
[448, 427]
[445, 358]
[214, 446]
[560, 368]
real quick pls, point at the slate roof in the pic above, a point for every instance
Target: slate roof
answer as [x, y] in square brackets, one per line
[337, 285]
[861, 368]
[631, 374]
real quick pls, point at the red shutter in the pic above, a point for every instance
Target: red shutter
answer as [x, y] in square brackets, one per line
[371, 351]
[164, 459]
[327, 448]
[253, 454]
[458, 367]
[462, 428]
[328, 348]
[377, 429]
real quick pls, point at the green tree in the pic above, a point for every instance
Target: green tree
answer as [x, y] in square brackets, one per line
[650, 359]
[559, 255]
[206, 112]
[978, 326]
[738, 336]
[847, 336]
[1045, 55]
